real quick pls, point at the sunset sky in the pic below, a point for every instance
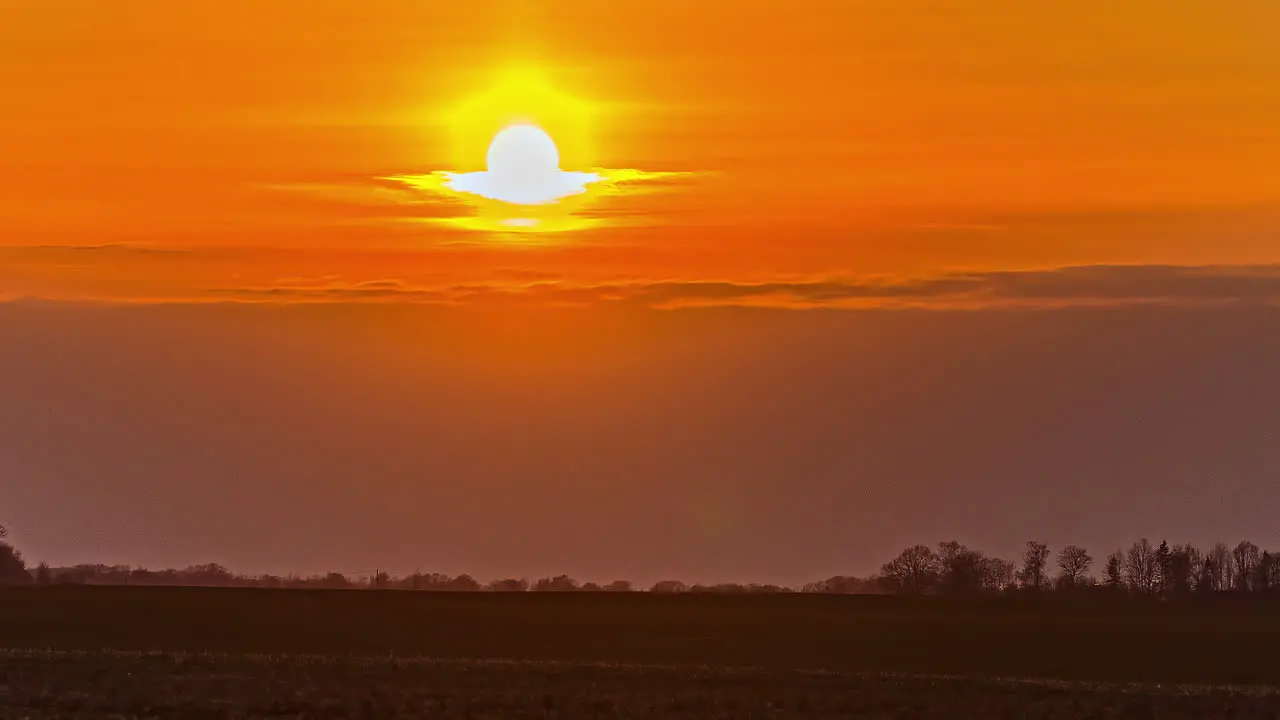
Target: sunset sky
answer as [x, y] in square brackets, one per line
[860, 273]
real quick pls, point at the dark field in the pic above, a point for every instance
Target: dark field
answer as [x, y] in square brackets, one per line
[258, 653]
[144, 685]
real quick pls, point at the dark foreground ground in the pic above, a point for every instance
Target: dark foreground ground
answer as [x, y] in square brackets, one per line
[165, 652]
[173, 685]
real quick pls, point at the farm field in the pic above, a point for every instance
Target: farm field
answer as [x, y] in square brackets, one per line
[179, 685]
[186, 652]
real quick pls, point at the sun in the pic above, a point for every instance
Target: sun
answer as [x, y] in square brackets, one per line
[522, 151]
[524, 160]
[522, 96]
[522, 168]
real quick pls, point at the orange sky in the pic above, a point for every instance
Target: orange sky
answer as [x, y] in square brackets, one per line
[271, 351]
[234, 149]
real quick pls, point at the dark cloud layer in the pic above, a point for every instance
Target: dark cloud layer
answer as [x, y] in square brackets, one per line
[1100, 284]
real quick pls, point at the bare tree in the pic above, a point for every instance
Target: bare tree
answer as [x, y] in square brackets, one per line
[1205, 578]
[915, 570]
[1273, 573]
[1244, 559]
[1035, 562]
[1074, 561]
[960, 569]
[1184, 560]
[998, 574]
[1263, 572]
[1219, 571]
[1140, 567]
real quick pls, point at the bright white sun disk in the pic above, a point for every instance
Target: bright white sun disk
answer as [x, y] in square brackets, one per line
[523, 169]
[523, 150]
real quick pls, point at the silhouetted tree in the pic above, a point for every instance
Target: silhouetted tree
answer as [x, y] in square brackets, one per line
[13, 570]
[1140, 567]
[960, 569]
[1205, 582]
[207, 574]
[1171, 571]
[1164, 568]
[411, 582]
[1181, 571]
[559, 583]
[669, 586]
[844, 585]
[1113, 575]
[1273, 573]
[336, 580]
[1221, 567]
[915, 570]
[142, 576]
[1244, 560]
[720, 589]
[1263, 572]
[767, 589]
[998, 574]
[1074, 562]
[441, 581]
[1035, 561]
[509, 585]
[463, 583]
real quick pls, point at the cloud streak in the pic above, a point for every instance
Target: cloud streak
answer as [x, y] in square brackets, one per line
[1097, 285]
[83, 250]
[438, 199]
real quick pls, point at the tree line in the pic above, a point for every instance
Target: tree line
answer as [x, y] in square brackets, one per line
[1143, 569]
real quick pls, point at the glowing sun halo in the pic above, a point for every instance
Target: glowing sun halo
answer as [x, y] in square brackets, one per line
[522, 188]
[522, 168]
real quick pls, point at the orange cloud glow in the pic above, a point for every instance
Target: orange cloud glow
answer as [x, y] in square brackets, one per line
[163, 151]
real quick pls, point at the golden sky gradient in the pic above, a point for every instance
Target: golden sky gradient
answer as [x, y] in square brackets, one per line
[245, 198]
[240, 150]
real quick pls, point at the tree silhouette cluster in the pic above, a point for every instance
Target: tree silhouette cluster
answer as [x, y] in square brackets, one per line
[1142, 569]
[950, 568]
[13, 569]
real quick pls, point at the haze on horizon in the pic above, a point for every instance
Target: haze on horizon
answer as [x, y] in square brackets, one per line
[716, 445]
[857, 275]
